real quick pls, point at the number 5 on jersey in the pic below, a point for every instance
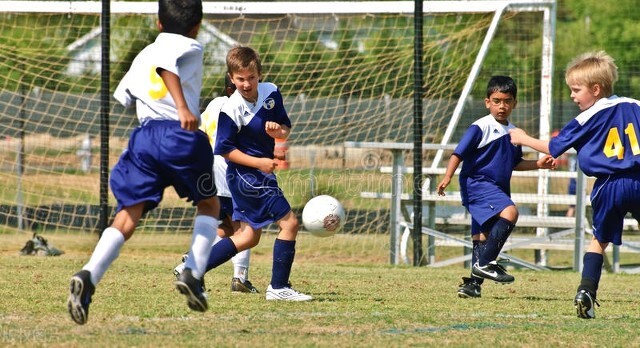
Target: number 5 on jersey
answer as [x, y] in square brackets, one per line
[158, 89]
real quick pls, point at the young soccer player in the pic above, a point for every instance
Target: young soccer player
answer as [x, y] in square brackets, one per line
[488, 160]
[164, 82]
[605, 136]
[249, 122]
[240, 281]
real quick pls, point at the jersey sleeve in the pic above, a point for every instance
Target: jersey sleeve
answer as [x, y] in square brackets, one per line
[122, 94]
[226, 135]
[565, 139]
[469, 142]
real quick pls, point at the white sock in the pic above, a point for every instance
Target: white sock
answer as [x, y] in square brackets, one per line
[204, 232]
[105, 252]
[241, 265]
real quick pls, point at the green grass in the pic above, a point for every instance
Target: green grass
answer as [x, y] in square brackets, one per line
[360, 301]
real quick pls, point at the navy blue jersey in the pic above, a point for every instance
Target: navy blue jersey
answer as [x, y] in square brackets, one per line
[242, 124]
[605, 137]
[488, 159]
[257, 198]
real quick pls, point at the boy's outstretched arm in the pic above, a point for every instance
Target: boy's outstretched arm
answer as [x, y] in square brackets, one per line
[454, 162]
[544, 162]
[519, 137]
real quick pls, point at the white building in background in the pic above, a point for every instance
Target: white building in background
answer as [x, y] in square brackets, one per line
[85, 53]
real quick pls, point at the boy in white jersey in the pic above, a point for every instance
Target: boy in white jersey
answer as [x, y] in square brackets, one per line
[605, 137]
[167, 149]
[250, 121]
[240, 281]
[488, 160]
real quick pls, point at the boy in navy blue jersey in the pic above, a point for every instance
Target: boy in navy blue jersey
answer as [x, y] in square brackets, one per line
[488, 159]
[240, 281]
[249, 122]
[605, 136]
[167, 149]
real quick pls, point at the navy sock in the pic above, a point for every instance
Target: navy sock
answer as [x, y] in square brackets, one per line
[591, 272]
[477, 250]
[500, 231]
[221, 252]
[284, 252]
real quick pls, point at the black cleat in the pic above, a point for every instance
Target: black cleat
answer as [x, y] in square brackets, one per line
[239, 286]
[470, 288]
[80, 291]
[584, 303]
[492, 271]
[193, 289]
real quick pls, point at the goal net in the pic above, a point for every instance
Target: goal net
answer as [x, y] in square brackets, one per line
[345, 70]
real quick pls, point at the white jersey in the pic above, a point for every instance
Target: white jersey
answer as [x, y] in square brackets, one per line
[176, 53]
[210, 126]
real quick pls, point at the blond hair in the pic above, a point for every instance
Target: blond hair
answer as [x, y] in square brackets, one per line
[593, 68]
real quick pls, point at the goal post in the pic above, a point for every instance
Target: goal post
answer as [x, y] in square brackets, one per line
[345, 70]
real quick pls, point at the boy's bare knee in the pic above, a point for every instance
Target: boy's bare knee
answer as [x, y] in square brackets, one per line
[510, 213]
[209, 206]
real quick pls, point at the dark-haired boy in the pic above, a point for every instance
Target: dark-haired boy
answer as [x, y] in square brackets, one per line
[167, 149]
[488, 159]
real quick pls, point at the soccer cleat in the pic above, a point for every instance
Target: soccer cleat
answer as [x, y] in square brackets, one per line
[286, 294]
[469, 288]
[584, 302]
[492, 271]
[80, 291]
[238, 285]
[177, 271]
[179, 268]
[193, 289]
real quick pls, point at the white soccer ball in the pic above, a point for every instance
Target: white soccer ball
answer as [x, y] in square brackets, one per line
[323, 216]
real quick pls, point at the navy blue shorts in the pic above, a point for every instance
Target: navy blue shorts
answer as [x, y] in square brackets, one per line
[484, 210]
[611, 199]
[162, 154]
[257, 199]
[226, 207]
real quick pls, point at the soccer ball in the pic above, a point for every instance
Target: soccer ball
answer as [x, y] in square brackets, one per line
[323, 216]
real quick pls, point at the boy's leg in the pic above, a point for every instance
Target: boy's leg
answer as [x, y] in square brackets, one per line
[498, 235]
[284, 250]
[471, 287]
[240, 281]
[82, 285]
[201, 244]
[585, 299]
[221, 252]
[499, 232]
[190, 282]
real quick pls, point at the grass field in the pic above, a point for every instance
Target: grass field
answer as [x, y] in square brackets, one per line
[360, 301]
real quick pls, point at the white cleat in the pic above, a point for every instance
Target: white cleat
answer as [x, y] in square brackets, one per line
[286, 294]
